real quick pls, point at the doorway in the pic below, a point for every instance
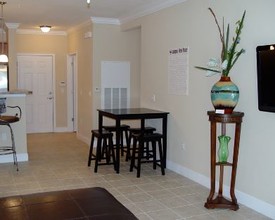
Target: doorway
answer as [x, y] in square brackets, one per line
[72, 92]
[35, 74]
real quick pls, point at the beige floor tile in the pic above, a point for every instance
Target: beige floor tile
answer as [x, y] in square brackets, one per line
[150, 187]
[139, 197]
[58, 161]
[143, 216]
[165, 214]
[149, 206]
[202, 217]
[226, 215]
[159, 194]
[126, 190]
[173, 202]
[189, 211]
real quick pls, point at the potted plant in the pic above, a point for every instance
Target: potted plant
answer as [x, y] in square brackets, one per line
[225, 94]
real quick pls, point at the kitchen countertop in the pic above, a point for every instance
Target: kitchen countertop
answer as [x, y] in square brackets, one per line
[15, 93]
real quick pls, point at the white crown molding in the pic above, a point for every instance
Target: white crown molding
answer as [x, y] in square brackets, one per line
[36, 32]
[149, 10]
[82, 25]
[101, 20]
[12, 25]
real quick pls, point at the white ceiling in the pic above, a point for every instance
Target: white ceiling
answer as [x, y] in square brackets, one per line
[65, 14]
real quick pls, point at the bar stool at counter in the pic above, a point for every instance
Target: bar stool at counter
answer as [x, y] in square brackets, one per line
[6, 120]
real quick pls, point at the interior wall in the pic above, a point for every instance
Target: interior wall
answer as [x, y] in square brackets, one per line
[82, 47]
[48, 44]
[112, 44]
[190, 24]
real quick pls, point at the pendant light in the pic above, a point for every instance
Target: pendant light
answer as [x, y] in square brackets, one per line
[88, 3]
[3, 57]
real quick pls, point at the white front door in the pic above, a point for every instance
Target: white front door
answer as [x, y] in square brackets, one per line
[35, 74]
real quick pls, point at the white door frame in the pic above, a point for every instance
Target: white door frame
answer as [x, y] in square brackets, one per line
[53, 80]
[72, 92]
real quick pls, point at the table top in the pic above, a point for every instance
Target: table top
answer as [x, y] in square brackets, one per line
[235, 117]
[133, 112]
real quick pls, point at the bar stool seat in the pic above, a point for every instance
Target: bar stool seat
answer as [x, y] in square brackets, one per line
[147, 130]
[124, 130]
[6, 120]
[138, 151]
[104, 149]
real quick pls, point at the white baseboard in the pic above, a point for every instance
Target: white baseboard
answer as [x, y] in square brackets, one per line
[9, 158]
[83, 138]
[243, 198]
[61, 129]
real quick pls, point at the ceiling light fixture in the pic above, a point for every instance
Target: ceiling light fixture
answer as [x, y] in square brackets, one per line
[45, 28]
[3, 57]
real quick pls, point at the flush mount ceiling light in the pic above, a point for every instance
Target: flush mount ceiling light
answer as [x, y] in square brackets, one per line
[3, 57]
[45, 28]
[88, 3]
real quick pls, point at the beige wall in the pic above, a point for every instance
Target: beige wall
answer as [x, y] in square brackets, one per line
[190, 24]
[83, 49]
[112, 44]
[54, 45]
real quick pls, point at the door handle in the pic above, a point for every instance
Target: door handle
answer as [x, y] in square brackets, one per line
[50, 98]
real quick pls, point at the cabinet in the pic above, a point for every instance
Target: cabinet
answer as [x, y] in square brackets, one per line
[223, 119]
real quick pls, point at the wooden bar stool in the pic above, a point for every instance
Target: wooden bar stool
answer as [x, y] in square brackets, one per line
[104, 149]
[7, 120]
[138, 151]
[147, 130]
[123, 129]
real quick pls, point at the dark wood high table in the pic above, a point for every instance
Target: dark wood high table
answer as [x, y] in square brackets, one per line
[223, 119]
[133, 114]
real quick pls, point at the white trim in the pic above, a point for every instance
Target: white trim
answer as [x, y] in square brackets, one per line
[243, 198]
[149, 9]
[12, 25]
[39, 32]
[54, 94]
[101, 20]
[9, 158]
[83, 138]
[61, 129]
[10, 94]
[72, 83]
[80, 26]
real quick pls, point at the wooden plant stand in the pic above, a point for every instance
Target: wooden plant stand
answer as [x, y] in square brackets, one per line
[223, 119]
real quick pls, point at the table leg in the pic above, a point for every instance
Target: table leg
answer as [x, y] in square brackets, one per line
[235, 161]
[212, 164]
[164, 132]
[117, 145]
[100, 122]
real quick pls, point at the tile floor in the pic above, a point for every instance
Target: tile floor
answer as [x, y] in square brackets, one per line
[59, 161]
